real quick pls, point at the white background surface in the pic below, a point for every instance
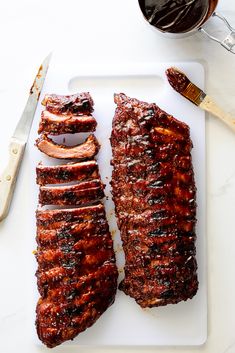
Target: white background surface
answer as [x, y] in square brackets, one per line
[108, 30]
[181, 324]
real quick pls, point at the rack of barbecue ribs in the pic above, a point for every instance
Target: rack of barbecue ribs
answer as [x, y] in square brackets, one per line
[77, 273]
[153, 190]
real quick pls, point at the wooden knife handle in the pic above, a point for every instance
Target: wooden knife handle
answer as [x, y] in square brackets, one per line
[210, 106]
[9, 176]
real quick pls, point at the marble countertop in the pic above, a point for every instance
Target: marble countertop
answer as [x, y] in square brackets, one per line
[107, 31]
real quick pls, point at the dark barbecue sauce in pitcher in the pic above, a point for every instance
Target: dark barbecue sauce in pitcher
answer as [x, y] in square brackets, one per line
[174, 16]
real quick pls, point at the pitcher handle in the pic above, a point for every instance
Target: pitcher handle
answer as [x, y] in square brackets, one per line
[229, 41]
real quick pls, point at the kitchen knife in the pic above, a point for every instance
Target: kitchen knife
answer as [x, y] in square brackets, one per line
[19, 140]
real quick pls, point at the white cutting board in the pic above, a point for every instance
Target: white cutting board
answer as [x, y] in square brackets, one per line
[125, 323]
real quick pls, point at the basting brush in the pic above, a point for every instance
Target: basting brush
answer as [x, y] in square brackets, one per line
[181, 83]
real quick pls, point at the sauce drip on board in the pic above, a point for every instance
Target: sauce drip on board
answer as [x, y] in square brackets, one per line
[174, 16]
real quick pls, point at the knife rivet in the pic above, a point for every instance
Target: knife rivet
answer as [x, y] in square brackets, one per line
[8, 177]
[15, 151]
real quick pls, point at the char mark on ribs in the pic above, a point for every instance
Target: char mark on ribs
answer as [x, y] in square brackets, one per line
[67, 173]
[154, 194]
[75, 195]
[77, 273]
[55, 124]
[73, 104]
[53, 219]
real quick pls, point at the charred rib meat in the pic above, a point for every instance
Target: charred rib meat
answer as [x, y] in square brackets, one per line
[72, 104]
[55, 124]
[54, 219]
[67, 173]
[77, 274]
[72, 195]
[154, 194]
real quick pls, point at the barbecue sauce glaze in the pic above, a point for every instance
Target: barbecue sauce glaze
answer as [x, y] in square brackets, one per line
[174, 16]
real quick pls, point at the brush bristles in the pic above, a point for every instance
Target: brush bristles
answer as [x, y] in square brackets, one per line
[193, 93]
[181, 83]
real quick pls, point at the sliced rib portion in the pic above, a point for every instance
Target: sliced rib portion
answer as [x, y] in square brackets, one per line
[66, 173]
[76, 230]
[75, 195]
[154, 194]
[86, 150]
[55, 124]
[77, 274]
[54, 219]
[72, 104]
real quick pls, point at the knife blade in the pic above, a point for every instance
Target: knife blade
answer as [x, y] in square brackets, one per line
[19, 140]
[23, 127]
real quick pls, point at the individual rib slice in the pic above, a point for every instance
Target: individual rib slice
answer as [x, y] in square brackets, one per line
[54, 219]
[80, 103]
[55, 124]
[77, 274]
[76, 231]
[154, 194]
[67, 173]
[86, 150]
[75, 195]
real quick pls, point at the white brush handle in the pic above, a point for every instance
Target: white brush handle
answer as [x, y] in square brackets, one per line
[9, 176]
[210, 106]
